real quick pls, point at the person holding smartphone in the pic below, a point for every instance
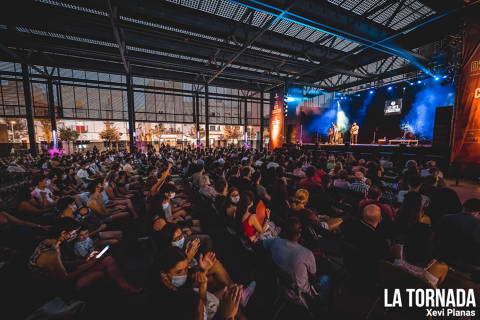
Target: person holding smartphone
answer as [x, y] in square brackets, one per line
[46, 261]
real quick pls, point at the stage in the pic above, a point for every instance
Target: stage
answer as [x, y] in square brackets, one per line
[421, 152]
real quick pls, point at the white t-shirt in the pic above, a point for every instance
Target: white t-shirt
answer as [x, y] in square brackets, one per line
[36, 194]
[82, 174]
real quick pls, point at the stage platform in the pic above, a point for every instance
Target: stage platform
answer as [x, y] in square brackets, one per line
[422, 152]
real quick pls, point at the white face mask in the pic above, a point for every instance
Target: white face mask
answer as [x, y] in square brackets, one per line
[49, 182]
[172, 195]
[74, 208]
[165, 206]
[235, 199]
[179, 281]
[180, 243]
[64, 177]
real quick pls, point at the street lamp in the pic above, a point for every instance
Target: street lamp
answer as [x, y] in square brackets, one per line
[13, 131]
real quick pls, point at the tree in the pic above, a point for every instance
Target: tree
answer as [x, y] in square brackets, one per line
[251, 133]
[47, 129]
[67, 134]
[110, 134]
[231, 132]
[193, 134]
[157, 130]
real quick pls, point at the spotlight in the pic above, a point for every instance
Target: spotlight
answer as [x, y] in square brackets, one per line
[419, 81]
[390, 88]
[404, 88]
[412, 84]
[445, 77]
[437, 78]
[371, 92]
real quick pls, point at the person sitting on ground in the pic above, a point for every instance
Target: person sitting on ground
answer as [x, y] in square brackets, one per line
[206, 188]
[341, 180]
[359, 185]
[252, 228]
[369, 245]
[373, 196]
[414, 183]
[308, 216]
[29, 208]
[87, 242]
[309, 182]
[97, 204]
[46, 261]
[43, 194]
[221, 186]
[458, 235]
[259, 190]
[184, 293]
[245, 183]
[114, 200]
[295, 260]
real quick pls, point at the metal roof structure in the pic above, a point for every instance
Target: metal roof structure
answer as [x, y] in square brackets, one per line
[245, 44]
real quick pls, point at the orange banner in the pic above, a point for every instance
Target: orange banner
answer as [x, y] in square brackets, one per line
[276, 123]
[466, 135]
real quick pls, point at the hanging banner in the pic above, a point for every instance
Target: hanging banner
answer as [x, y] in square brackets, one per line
[466, 134]
[276, 122]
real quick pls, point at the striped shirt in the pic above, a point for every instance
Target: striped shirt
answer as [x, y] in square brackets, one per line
[360, 187]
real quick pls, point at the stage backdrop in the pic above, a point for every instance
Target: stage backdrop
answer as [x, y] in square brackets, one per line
[466, 136]
[276, 122]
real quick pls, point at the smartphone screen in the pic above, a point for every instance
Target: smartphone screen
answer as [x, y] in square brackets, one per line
[102, 252]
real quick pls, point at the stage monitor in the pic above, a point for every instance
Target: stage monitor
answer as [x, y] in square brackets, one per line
[393, 107]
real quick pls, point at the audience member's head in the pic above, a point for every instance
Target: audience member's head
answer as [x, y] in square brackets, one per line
[472, 206]
[374, 193]
[414, 183]
[372, 214]
[292, 229]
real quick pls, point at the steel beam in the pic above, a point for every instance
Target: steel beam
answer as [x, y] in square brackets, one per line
[207, 116]
[131, 113]
[260, 145]
[29, 109]
[51, 112]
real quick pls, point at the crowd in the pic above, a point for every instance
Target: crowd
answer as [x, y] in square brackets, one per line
[214, 219]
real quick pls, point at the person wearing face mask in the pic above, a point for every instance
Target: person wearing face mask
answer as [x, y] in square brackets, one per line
[46, 261]
[184, 293]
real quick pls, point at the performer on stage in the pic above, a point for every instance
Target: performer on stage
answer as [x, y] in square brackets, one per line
[335, 133]
[330, 135]
[354, 133]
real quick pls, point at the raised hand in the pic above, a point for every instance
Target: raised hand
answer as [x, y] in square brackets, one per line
[230, 302]
[200, 280]
[192, 248]
[207, 261]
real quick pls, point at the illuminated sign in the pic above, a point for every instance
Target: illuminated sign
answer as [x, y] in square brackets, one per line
[477, 93]
[393, 107]
[276, 123]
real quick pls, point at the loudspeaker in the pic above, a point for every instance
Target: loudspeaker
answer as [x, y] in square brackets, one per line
[442, 127]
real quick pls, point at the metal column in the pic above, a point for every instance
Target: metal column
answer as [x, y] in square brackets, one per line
[197, 118]
[245, 126]
[131, 114]
[29, 110]
[51, 111]
[262, 120]
[207, 129]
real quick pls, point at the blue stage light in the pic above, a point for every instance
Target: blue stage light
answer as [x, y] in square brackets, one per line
[445, 77]
[371, 92]
[390, 88]
[412, 84]
[437, 78]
